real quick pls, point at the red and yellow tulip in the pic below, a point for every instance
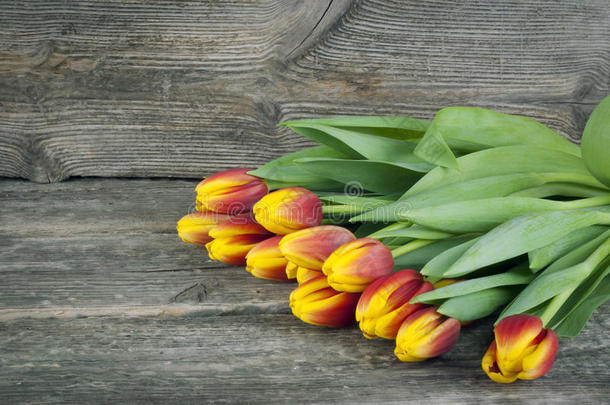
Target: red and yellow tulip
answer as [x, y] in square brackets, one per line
[311, 247]
[356, 264]
[315, 302]
[384, 305]
[302, 274]
[424, 334]
[195, 227]
[234, 238]
[522, 349]
[266, 261]
[231, 191]
[288, 210]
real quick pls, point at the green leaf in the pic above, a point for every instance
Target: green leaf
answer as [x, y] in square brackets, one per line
[388, 126]
[421, 256]
[541, 257]
[518, 275]
[503, 161]
[362, 231]
[523, 234]
[579, 254]
[486, 187]
[544, 288]
[581, 294]
[476, 215]
[321, 151]
[560, 189]
[414, 231]
[478, 304]
[576, 320]
[493, 129]
[549, 284]
[596, 142]
[364, 202]
[371, 147]
[381, 177]
[484, 214]
[283, 172]
[433, 148]
[313, 184]
[439, 264]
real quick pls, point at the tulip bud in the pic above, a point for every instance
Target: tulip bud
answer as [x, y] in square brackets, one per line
[302, 274]
[424, 334]
[230, 192]
[266, 261]
[288, 210]
[356, 264]
[311, 247]
[195, 227]
[384, 305]
[291, 269]
[522, 349]
[234, 238]
[315, 302]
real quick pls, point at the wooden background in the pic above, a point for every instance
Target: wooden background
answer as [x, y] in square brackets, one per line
[99, 301]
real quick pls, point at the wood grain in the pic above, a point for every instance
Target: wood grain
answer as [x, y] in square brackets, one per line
[175, 89]
[270, 359]
[109, 247]
[100, 302]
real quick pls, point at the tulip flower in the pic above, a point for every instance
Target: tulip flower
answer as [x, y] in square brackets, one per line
[384, 305]
[424, 334]
[234, 238]
[195, 227]
[288, 210]
[315, 302]
[230, 192]
[311, 247]
[522, 349]
[266, 261]
[356, 264]
[302, 274]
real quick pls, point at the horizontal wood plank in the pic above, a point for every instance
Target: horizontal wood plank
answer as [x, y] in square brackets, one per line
[110, 247]
[171, 89]
[270, 359]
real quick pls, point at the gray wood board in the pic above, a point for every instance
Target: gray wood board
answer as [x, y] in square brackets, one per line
[87, 247]
[270, 359]
[101, 302]
[162, 88]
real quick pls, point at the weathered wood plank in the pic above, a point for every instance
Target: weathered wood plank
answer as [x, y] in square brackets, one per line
[110, 247]
[181, 90]
[270, 359]
[521, 47]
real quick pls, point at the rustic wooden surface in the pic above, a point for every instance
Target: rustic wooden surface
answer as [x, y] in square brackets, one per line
[182, 89]
[101, 302]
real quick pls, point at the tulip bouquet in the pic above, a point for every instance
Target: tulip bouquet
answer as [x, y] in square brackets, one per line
[414, 229]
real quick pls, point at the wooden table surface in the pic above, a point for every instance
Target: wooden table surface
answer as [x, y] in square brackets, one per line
[110, 112]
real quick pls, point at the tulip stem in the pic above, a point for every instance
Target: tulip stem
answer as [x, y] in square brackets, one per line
[585, 269]
[341, 209]
[554, 306]
[411, 246]
[589, 202]
[392, 227]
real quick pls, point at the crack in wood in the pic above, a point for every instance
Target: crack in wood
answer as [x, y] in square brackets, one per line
[312, 30]
[197, 293]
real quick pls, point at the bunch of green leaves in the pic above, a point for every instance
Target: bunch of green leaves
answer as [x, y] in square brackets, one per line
[499, 201]
[535, 204]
